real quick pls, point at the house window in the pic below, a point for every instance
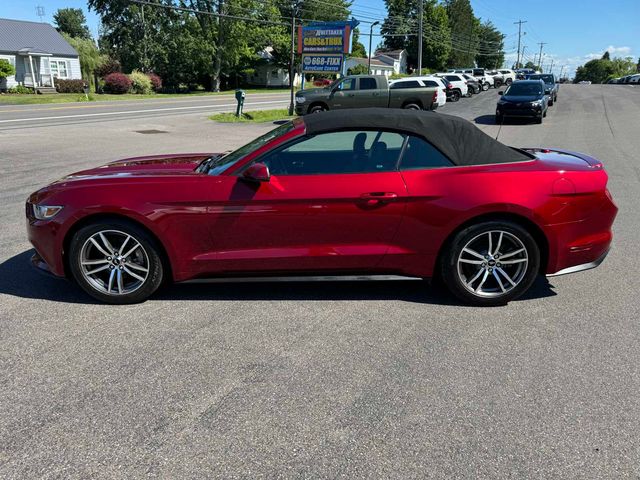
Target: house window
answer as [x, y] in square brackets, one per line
[59, 69]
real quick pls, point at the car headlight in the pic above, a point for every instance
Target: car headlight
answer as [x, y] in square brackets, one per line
[300, 99]
[45, 212]
[537, 103]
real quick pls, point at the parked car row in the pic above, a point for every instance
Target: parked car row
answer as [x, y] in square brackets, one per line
[628, 79]
[529, 98]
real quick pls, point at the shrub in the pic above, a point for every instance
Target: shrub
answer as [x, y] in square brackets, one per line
[140, 82]
[6, 69]
[69, 86]
[156, 82]
[20, 89]
[117, 83]
[110, 65]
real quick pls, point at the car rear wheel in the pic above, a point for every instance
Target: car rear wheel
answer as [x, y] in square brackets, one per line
[485, 86]
[455, 96]
[115, 262]
[412, 106]
[491, 263]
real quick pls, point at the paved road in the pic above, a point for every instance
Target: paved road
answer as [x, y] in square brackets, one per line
[386, 379]
[29, 116]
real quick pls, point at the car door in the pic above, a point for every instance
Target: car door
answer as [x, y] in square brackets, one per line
[344, 95]
[333, 203]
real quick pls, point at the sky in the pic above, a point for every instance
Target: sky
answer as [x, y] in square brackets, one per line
[574, 31]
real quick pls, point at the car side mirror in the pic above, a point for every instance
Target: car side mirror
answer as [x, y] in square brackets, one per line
[500, 92]
[258, 172]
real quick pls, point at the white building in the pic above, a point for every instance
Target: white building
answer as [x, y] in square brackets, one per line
[384, 62]
[38, 53]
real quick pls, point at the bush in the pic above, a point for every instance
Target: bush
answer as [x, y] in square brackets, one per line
[110, 65]
[6, 69]
[69, 86]
[156, 82]
[20, 89]
[117, 83]
[140, 82]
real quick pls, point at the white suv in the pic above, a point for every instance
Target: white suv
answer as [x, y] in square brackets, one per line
[458, 82]
[485, 80]
[417, 82]
[509, 76]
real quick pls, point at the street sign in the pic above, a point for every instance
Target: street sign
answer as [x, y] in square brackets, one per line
[321, 63]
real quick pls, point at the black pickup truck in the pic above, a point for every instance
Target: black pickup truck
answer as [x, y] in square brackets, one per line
[364, 91]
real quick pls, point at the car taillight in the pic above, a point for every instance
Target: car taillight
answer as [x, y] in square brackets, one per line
[449, 86]
[435, 96]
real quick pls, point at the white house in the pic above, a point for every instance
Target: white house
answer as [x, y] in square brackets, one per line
[267, 74]
[384, 62]
[39, 54]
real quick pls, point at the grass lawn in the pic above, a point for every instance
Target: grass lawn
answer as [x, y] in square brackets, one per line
[30, 99]
[259, 116]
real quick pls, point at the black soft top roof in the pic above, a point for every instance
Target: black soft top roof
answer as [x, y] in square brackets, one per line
[460, 140]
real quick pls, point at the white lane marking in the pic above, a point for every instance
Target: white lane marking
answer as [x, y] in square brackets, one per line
[58, 117]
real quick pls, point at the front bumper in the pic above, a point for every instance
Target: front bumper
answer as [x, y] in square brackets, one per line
[526, 111]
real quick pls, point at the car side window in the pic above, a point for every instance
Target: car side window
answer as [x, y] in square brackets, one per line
[347, 84]
[405, 84]
[359, 151]
[368, 84]
[420, 154]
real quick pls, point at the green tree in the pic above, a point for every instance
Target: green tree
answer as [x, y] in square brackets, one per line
[359, 69]
[357, 48]
[532, 66]
[399, 27]
[602, 69]
[6, 69]
[72, 22]
[90, 57]
[490, 53]
[464, 33]
[606, 56]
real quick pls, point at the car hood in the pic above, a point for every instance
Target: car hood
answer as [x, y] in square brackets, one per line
[154, 165]
[520, 98]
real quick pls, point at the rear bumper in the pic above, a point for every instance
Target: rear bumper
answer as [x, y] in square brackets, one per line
[581, 267]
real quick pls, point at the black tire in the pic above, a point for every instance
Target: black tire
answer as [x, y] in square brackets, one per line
[317, 109]
[509, 81]
[485, 86]
[449, 267]
[455, 96]
[149, 247]
[544, 114]
[412, 106]
[550, 104]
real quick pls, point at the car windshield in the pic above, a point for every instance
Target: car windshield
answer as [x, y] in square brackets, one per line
[545, 78]
[524, 89]
[217, 164]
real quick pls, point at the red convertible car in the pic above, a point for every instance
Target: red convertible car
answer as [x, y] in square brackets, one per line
[373, 191]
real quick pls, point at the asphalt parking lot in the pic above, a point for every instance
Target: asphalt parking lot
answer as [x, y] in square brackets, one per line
[331, 379]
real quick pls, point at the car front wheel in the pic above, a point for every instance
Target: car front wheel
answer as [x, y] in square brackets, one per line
[115, 262]
[491, 263]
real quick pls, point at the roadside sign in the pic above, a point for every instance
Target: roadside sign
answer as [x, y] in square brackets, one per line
[324, 38]
[321, 63]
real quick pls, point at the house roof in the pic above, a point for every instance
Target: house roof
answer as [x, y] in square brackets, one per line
[375, 62]
[394, 54]
[16, 35]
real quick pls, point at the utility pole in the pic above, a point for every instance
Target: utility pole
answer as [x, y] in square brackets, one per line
[551, 67]
[420, 14]
[561, 70]
[519, 23]
[540, 55]
[293, 55]
[524, 47]
[370, 37]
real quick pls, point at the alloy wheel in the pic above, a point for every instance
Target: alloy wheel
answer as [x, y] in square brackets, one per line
[114, 262]
[492, 264]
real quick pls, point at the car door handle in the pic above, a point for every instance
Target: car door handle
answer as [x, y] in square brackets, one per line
[374, 198]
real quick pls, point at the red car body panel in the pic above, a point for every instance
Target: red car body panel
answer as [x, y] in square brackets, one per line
[221, 225]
